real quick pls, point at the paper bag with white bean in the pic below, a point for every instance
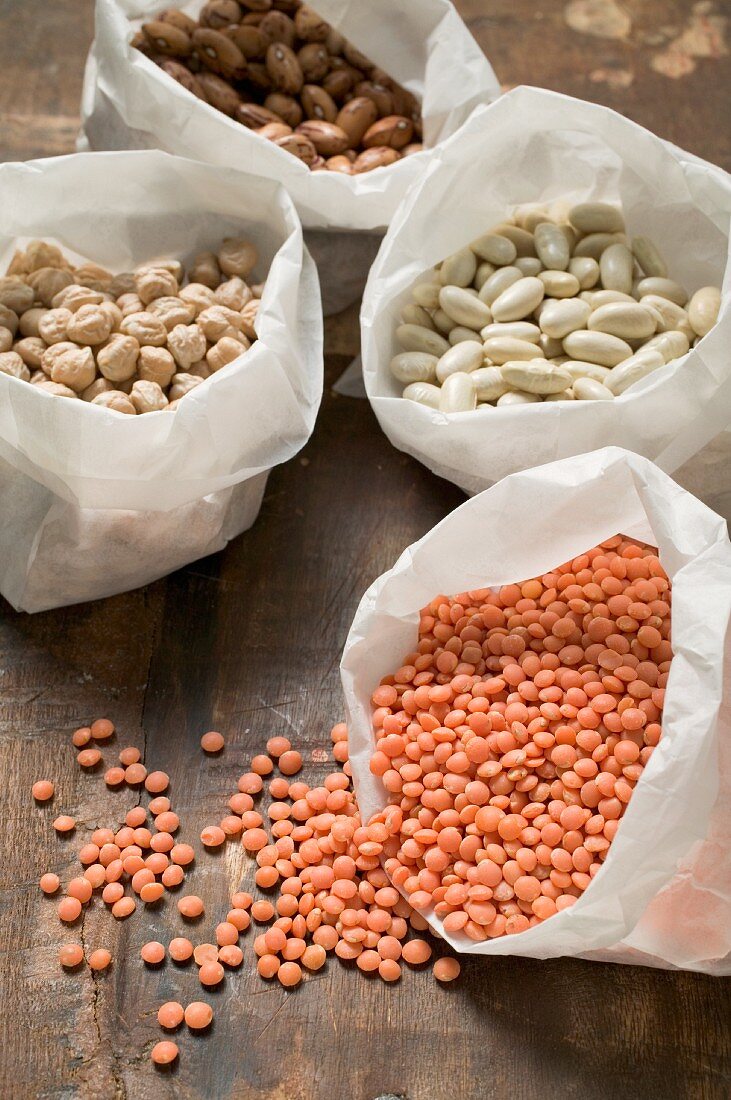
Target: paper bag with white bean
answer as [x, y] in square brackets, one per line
[160, 352]
[557, 281]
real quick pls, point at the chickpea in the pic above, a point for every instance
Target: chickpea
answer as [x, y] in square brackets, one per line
[187, 344]
[205, 270]
[249, 315]
[198, 296]
[6, 339]
[147, 397]
[116, 401]
[257, 289]
[74, 368]
[174, 267]
[12, 364]
[234, 293]
[37, 376]
[156, 365]
[200, 369]
[31, 350]
[47, 282]
[129, 303]
[117, 360]
[56, 388]
[28, 324]
[90, 325]
[224, 352]
[146, 329]
[73, 297]
[237, 257]
[53, 325]
[41, 254]
[113, 311]
[155, 282]
[216, 319]
[18, 265]
[8, 319]
[93, 276]
[51, 355]
[183, 384]
[101, 385]
[16, 294]
[122, 284]
[172, 312]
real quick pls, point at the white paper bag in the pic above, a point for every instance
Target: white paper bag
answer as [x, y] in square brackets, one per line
[129, 102]
[536, 146]
[93, 502]
[669, 846]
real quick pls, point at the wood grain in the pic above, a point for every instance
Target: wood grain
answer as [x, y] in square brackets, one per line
[248, 641]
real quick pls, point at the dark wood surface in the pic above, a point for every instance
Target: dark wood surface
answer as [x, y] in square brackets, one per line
[248, 641]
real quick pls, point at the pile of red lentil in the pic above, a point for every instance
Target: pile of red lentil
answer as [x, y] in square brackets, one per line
[509, 744]
[511, 740]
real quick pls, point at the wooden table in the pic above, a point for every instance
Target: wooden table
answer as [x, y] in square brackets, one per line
[218, 646]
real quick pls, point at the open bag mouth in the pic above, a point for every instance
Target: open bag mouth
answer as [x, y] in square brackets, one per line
[528, 524]
[538, 148]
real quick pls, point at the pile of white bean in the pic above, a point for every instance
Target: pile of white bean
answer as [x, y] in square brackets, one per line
[549, 306]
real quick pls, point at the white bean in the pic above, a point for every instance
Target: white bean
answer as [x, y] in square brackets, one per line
[518, 330]
[560, 284]
[414, 366]
[564, 395]
[648, 257]
[460, 333]
[596, 347]
[625, 374]
[579, 369]
[489, 383]
[703, 309]
[519, 300]
[596, 217]
[442, 322]
[537, 376]
[416, 315]
[513, 397]
[671, 345]
[597, 298]
[458, 269]
[529, 265]
[594, 244]
[630, 322]
[458, 393]
[497, 250]
[552, 246]
[665, 288]
[523, 241]
[465, 356]
[673, 317]
[586, 389]
[464, 308]
[483, 273]
[615, 267]
[559, 318]
[550, 347]
[427, 295]
[502, 349]
[586, 270]
[417, 338]
[499, 281]
[423, 393]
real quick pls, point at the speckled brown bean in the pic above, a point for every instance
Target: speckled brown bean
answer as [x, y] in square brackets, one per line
[285, 107]
[318, 104]
[328, 139]
[284, 68]
[299, 146]
[218, 53]
[393, 131]
[357, 116]
[378, 157]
